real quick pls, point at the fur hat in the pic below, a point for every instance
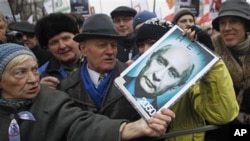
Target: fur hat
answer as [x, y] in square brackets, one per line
[8, 51]
[53, 24]
[237, 8]
[141, 17]
[181, 12]
[154, 28]
[92, 27]
[123, 11]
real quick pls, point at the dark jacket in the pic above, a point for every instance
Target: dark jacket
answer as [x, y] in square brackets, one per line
[51, 68]
[42, 55]
[114, 105]
[57, 119]
[126, 46]
[54, 68]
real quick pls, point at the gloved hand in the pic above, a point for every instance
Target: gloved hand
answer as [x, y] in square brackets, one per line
[202, 36]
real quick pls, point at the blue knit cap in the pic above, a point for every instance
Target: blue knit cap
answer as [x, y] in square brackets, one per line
[10, 50]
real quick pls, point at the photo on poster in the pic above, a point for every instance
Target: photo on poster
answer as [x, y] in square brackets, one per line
[165, 72]
[192, 5]
[80, 6]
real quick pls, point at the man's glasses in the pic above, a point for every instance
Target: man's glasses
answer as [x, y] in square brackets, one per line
[29, 35]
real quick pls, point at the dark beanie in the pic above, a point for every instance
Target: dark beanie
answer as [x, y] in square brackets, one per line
[154, 29]
[181, 12]
[53, 24]
[237, 8]
[123, 11]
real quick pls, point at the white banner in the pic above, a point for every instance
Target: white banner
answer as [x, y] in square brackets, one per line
[140, 5]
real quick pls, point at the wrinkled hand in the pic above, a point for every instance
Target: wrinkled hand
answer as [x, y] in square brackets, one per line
[196, 33]
[159, 122]
[154, 127]
[50, 81]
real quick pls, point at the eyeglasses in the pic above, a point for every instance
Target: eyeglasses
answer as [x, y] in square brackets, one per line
[124, 19]
[29, 35]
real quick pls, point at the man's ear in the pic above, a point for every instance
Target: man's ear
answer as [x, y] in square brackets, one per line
[82, 48]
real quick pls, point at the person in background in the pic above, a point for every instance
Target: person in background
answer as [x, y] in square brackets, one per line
[141, 17]
[211, 100]
[148, 33]
[184, 18]
[232, 44]
[3, 29]
[30, 111]
[55, 33]
[122, 17]
[79, 19]
[30, 41]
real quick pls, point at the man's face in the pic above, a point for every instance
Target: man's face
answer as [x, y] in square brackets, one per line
[64, 48]
[232, 30]
[100, 53]
[186, 20]
[123, 25]
[29, 40]
[162, 72]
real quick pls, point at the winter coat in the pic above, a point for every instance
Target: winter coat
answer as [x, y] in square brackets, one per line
[212, 99]
[58, 119]
[114, 104]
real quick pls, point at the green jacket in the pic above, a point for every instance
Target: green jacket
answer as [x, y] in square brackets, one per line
[211, 99]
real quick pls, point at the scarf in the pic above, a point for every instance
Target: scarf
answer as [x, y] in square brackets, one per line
[237, 60]
[96, 94]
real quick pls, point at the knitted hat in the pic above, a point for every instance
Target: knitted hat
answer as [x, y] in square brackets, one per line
[154, 29]
[8, 51]
[53, 24]
[238, 8]
[123, 11]
[141, 17]
[181, 12]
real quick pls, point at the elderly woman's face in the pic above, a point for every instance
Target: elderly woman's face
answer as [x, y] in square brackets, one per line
[20, 79]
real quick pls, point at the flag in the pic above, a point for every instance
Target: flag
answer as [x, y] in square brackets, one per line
[169, 17]
[205, 18]
[207, 2]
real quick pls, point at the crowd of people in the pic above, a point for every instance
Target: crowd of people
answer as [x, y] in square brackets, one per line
[58, 82]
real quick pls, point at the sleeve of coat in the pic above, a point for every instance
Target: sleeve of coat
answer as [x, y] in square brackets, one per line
[217, 101]
[61, 119]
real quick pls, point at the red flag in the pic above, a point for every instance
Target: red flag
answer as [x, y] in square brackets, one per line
[205, 18]
[169, 17]
[206, 2]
